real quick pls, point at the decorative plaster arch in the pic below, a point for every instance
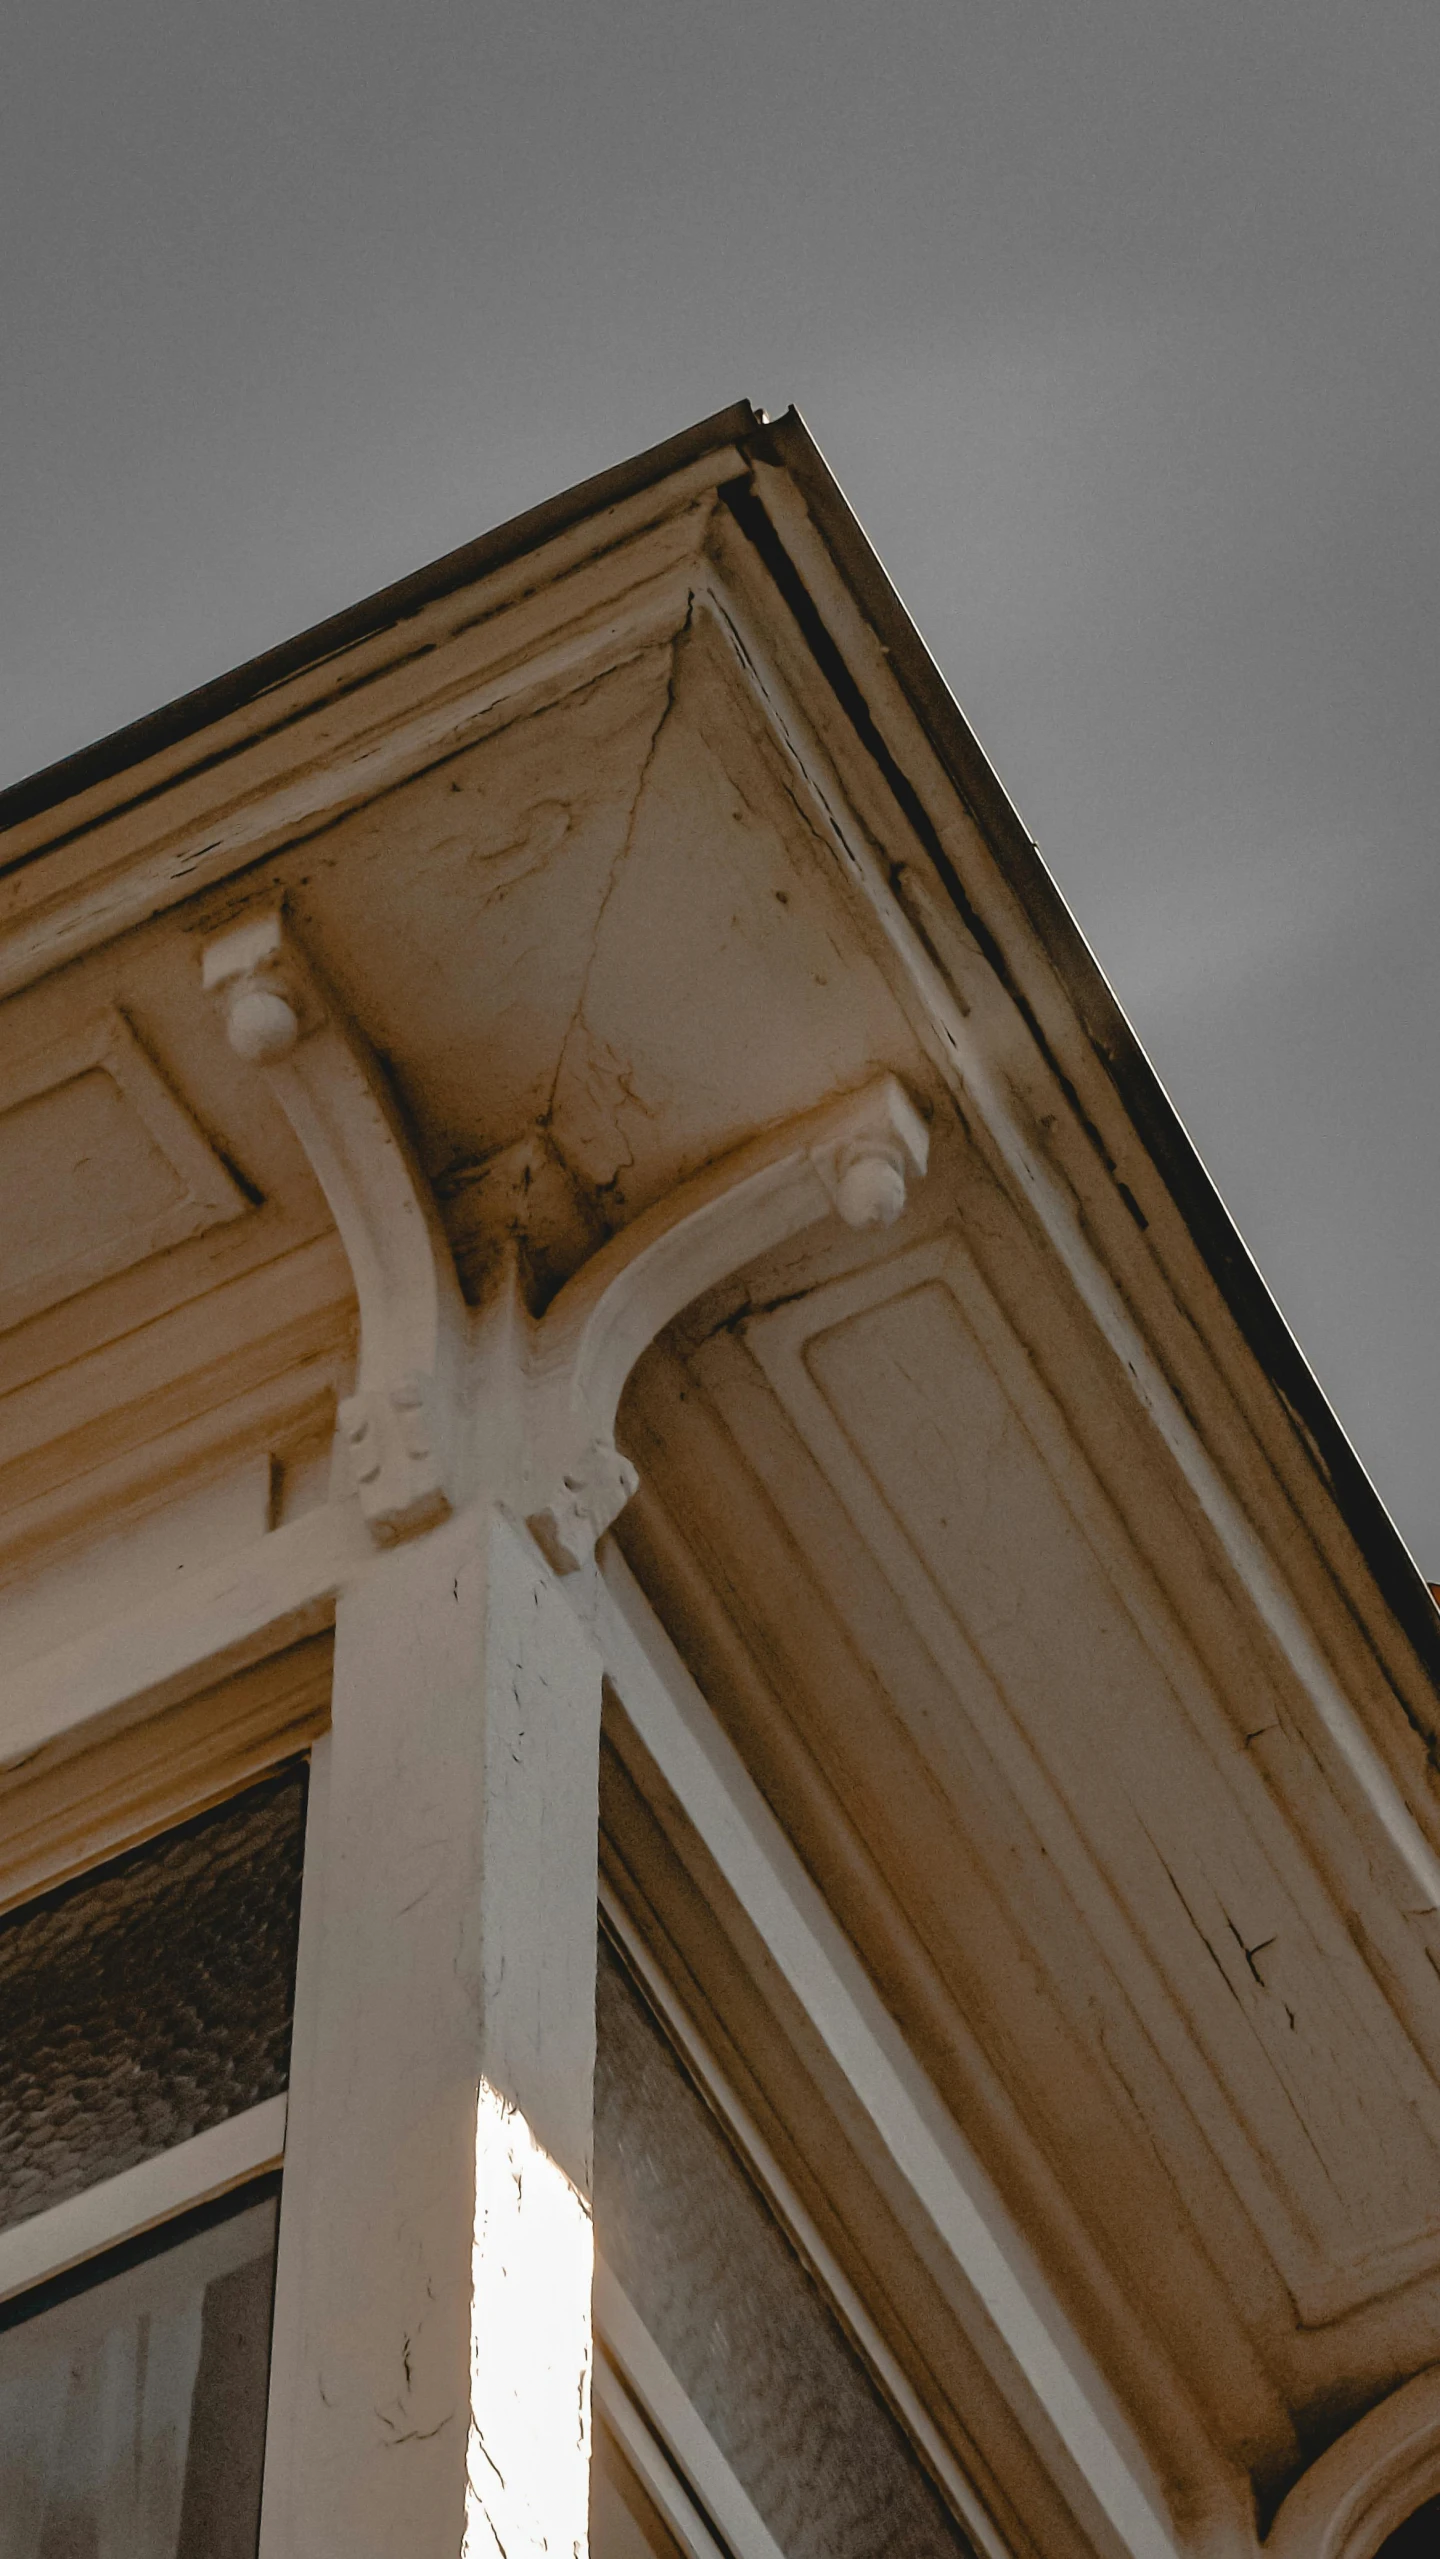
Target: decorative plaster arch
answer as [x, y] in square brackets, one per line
[1368, 2482]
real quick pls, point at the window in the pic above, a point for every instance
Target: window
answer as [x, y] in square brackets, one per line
[733, 2413]
[145, 2014]
[132, 2403]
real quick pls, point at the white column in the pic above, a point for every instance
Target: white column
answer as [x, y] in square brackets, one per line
[435, 2250]
[430, 2387]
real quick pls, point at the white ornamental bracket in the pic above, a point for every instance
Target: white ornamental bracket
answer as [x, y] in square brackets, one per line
[556, 1459]
[851, 1158]
[400, 1427]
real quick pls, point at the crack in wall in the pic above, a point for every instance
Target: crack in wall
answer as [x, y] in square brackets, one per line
[622, 1073]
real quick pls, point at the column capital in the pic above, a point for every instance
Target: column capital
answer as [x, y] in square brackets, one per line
[543, 1395]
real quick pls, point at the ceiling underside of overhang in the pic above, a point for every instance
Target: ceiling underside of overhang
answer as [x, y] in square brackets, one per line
[956, 1585]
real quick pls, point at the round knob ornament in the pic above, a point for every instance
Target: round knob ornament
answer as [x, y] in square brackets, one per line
[263, 1024]
[871, 1186]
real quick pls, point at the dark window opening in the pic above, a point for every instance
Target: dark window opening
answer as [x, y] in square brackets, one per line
[1418, 2537]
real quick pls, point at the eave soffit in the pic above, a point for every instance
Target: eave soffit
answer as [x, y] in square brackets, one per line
[270, 757]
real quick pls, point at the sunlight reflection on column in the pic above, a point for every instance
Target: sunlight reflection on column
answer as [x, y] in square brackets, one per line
[528, 2466]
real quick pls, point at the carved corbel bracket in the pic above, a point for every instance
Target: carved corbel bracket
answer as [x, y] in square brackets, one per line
[851, 1158]
[400, 1427]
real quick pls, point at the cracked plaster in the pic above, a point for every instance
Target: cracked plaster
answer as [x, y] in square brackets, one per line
[607, 924]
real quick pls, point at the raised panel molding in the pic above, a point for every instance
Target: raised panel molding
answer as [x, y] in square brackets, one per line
[963, 1477]
[101, 1166]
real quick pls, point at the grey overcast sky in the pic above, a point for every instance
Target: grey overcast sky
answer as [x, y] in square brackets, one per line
[1117, 320]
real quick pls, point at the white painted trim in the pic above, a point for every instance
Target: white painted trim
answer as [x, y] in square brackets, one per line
[824, 2265]
[449, 1949]
[681, 2429]
[853, 1156]
[267, 1595]
[1371, 2480]
[817, 1961]
[651, 2464]
[284, 1021]
[741, 1204]
[301, 2167]
[120, 2208]
[973, 1049]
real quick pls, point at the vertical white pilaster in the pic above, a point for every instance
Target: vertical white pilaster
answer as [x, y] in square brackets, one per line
[436, 2394]
[431, 2381]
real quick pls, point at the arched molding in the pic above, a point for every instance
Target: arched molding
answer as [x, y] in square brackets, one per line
[551, 1390]
[852, 1158]
[398, 1428]
[1367, 2483]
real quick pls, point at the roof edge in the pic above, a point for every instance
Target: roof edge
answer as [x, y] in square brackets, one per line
[223, 695]
[788, 442]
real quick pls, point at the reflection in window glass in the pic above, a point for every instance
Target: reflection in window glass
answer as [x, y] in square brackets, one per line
[132, 2412]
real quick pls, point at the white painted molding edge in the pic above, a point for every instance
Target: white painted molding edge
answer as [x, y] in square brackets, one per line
[121, 2208]
[975, 1069]
[851, 1158]
[269, 1594]
[399, 1428]
[681, 2429]
[926, 2145]
[1371, 2480]
[954, 2482]
[651, 2463]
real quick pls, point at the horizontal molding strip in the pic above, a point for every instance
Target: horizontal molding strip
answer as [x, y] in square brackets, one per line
[266, 1596]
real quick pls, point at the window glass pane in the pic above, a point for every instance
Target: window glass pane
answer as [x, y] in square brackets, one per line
[737, 2316]
[149, 1999]
[132, 2412]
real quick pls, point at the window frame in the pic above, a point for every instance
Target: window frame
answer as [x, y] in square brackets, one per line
[65, 2236]
[268, 1714]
